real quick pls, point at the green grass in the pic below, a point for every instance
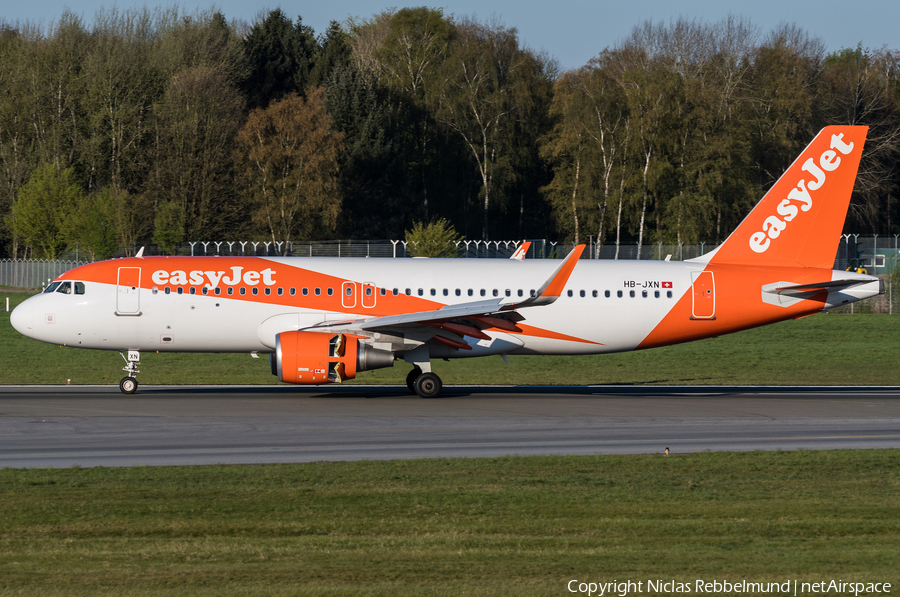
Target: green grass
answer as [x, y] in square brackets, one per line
[823, 349]
[505, 526]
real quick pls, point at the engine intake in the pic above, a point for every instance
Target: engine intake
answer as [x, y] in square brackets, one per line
[311, 358]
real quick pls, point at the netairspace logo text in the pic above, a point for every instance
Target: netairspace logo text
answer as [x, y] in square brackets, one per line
[720, 587]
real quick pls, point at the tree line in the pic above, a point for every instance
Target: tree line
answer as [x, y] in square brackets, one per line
[159, 126]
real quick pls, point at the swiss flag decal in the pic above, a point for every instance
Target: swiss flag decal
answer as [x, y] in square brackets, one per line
[667, 285]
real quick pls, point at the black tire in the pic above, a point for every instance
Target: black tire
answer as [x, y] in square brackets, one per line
[411, 378]
[128, 385]
[428, 385]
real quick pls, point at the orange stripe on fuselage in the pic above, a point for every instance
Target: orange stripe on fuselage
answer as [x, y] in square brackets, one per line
[284, 276]
[739, 304]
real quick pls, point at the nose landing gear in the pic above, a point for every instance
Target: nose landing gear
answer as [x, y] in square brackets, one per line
[128, 384]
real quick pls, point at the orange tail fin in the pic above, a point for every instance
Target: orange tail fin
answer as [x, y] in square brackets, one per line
[799, 221]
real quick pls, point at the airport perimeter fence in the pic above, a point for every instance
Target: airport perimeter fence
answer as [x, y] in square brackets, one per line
[874, 252]
[878, 255]
[33, 273]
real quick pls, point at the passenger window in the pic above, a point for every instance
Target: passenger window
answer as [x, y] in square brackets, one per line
[606, 293]
[349, 291]
[154, 290]
[569, 293]
[520, 292]
[496, 292]
[581, 293]
[619, 293]
[483, 292]
[595, 294]
[218, 291]
[508, 292]
[383, 291]
[656, 294]
[318, 291]
[458, 292]
[631, 293]
[194, 290]
[204, 290]
[368, 291]
[79, 287]
[279, 292]
[446, 292]
[433, 292]
[471, 292]
[305, 291]
[395, 291]
[421, 292]
[644, 293]
[409, 292]
[533, 292]
[330, 291]
[181, 290]
[168, 290]
[268, 291]
[293, 291]
[255, 291]
[669, 294]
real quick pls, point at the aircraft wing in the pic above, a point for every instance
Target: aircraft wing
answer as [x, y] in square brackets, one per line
[469, 319]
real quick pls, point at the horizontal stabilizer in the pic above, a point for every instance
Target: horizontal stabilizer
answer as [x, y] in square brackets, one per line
[796, 289]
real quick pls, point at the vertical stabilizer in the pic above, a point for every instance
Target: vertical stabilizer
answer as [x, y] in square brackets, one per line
[800, 219]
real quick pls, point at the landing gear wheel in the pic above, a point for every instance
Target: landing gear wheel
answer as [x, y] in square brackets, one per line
[411, 378]
[428, 385]
[128, 385]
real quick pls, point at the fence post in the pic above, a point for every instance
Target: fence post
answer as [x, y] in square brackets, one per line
[875, 257]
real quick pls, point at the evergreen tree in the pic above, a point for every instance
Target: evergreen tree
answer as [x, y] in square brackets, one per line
[334, 52]
[280, 57]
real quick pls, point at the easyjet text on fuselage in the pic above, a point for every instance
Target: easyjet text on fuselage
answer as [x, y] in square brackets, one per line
[213, 278]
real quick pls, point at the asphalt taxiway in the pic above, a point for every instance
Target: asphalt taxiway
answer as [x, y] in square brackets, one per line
[65, 426]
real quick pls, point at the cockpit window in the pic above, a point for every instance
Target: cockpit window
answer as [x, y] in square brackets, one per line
[66, 287]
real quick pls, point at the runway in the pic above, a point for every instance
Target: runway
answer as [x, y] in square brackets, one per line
[65, 426]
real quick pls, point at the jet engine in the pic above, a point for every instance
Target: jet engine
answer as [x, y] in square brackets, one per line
[311, 358]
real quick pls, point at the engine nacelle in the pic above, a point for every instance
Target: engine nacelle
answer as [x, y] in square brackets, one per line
[311, 358]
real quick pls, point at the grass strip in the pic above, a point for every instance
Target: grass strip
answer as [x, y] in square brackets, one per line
[824, 349]
[503, 526]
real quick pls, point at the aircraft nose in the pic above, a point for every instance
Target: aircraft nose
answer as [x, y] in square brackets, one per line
[21, 318]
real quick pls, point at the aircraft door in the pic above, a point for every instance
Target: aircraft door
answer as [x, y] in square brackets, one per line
[128, 291]
[368, 295]
[704, 295]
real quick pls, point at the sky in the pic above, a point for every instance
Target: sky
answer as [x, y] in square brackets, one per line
[573, 31]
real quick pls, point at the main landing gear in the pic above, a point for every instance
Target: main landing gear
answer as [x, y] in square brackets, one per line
[128, 384]
[426, 385]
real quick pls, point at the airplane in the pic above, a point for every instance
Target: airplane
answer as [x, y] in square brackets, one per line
[323, 320]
